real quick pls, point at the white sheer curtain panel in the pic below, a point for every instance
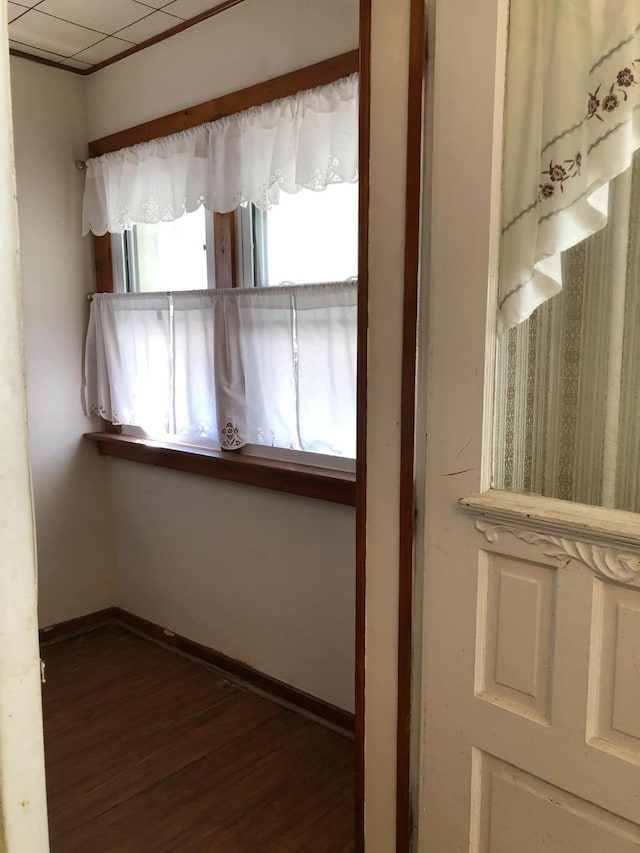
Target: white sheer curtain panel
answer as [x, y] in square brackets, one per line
[572, 125]
[298, 349]
[272, 366]
[307, 141]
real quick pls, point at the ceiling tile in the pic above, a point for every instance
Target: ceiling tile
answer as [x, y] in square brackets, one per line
[15, 10]
[149, 27]
[153, 4]
[103, 17]
[35, 51]
[49, 33]
[103, 50]
[186, 9]
[75, 63]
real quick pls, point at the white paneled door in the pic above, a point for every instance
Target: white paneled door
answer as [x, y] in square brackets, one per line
[530, 607]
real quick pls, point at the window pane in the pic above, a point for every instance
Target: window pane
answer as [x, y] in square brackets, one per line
[170, 255]
[312, 237]
[567, 399]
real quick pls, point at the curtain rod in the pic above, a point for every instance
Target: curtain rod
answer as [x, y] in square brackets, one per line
[229, 291]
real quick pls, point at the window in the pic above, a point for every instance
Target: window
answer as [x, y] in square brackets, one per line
[307, 238]
[166, 256]
[233, 329]
[567, 403]
[293, 406]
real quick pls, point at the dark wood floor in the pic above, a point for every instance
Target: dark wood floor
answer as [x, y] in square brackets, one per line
[148, 752]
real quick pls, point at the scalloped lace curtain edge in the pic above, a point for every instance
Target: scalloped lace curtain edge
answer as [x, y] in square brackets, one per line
[572, 124]
[309, 140]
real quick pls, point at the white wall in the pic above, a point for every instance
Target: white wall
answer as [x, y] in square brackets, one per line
[247, 44]
[75, 552]
[261, 576]
[264, 577]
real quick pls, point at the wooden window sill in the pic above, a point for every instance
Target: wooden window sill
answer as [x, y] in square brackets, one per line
[297, 479]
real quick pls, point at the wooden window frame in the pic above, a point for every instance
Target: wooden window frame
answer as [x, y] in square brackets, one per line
[295, 478]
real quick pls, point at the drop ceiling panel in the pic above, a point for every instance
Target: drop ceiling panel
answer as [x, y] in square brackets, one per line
[35, 51]
[76, 63]
[189, 8]
[48, 33]
[103, 17]
[15, 10]
[149, 27]
[103, 50]
[154, 4]
[79, 34]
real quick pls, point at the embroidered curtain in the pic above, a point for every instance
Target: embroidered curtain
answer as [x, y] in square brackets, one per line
[568, 401]
[572, 124]
[273, 366]
[307, 141]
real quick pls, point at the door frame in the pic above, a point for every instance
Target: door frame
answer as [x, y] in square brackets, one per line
[408, 36]
[383, 803]
[23, 806]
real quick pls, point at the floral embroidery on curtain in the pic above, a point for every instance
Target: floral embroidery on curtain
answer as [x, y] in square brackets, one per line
[572, 124]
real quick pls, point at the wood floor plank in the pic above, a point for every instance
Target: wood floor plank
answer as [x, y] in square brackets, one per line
[148, 752]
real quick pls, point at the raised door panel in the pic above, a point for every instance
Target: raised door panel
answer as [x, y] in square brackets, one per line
[614, 678]
[516, 811]
[516, 612]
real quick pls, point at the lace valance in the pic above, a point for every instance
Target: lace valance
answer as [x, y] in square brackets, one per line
[309, 140]
[572, 124]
